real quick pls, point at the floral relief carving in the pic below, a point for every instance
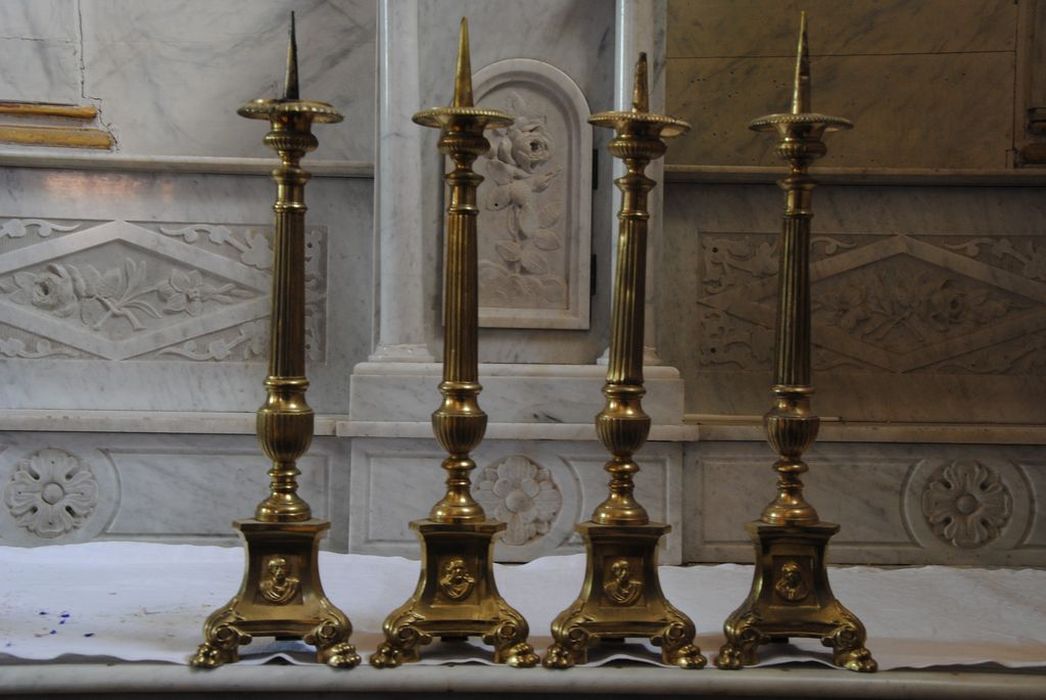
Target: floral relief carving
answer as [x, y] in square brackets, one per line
[900, 309]
[728, 262]
[254, 247]
[966, 504]
[116, 287]
[19, 228]
[522, 494]
[1028, 256]
[97, 299]
[525, 271]
[51, 492]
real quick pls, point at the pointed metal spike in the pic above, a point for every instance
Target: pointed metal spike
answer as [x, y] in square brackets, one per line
[640, 88]
[290, 90]
[463, 72]
[801, 89]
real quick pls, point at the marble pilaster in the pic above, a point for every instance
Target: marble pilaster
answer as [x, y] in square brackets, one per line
[639, 26]
[401, 331]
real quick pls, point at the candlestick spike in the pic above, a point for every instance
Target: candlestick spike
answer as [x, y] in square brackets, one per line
[281, 594]
[290, 91]
[463, 70]
[801, 88]
[790, 594]
[640, 87]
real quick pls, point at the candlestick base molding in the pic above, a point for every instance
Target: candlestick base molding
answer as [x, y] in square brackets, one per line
[280, 596]
[620, 598]
[456, 598]
[791, 597]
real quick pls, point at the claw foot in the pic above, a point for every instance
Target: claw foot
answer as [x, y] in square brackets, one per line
[686, 656]
[342, 655]
[520, 656]
[210, 656]
[559, 656]
[859, 659]
[731, 657]
[388, 656]
[221, 647]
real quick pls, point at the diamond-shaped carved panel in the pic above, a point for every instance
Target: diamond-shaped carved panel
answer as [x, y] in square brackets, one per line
[120, 290]
[895, 303]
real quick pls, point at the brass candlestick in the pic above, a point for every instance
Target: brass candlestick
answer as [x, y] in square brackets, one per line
[281, 593]
[790, 595]
[456, 596]
[621, 595]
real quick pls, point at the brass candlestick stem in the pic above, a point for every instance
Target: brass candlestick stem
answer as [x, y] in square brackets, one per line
[621, 595]
[790, 595]
[281, 594]
[456, 596]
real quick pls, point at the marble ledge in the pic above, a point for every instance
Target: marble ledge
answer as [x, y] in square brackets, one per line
[750, 429]
[203, 165]
[546, 394]
[508, 431]
[957, 177]
[188, 422]
[142, 679]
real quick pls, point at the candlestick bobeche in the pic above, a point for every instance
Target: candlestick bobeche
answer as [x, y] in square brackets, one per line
[281, 594]
[456, 596]
[790, 594]
[621, 595]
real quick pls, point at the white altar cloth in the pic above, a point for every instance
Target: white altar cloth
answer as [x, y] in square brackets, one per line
[146, 602]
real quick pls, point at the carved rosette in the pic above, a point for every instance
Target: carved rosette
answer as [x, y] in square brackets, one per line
[521, 493]
[51, 492]
[966, 504]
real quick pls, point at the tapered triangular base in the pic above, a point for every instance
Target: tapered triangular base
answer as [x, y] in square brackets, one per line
[621, 597]
[280, 596]
[456, 598]
[790, 597]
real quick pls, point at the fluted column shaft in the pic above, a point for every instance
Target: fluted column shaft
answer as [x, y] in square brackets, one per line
[459, 423]
[285, 421]
[622, 425]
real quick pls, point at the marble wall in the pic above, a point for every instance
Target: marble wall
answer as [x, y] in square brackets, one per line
[897, 504]
[149, 292]
[133, 293]
[929, 84]
[167, 77]
[928, 301]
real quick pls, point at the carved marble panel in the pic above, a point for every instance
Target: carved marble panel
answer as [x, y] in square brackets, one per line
[536, 199]
[57, 488]
[897, 504]
[899, 303]
[120, 290]
[929, 305]
[540, 489]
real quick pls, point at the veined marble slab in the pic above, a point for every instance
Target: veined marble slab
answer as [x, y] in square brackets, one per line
[169, 76]
[540, 488]
[725, 27]
[511, 392]
[190, 330]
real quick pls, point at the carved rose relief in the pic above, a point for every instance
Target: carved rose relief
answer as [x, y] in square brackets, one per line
[100, 299]
[525, 270]
[880, 303]
[899, 309]
[51, 492]
[966, 504]
[115, 288]
[523, 495]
